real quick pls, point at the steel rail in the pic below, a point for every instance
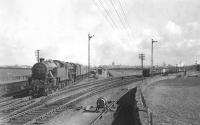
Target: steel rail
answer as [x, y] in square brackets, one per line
[37, 103]
[97, 89]
[74, 100]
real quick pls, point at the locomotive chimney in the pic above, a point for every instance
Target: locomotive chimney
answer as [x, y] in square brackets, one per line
[41, 59]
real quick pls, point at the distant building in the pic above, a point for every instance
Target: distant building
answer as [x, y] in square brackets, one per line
[113, 63]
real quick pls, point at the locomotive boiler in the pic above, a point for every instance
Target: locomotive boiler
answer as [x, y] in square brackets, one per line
[51, 75]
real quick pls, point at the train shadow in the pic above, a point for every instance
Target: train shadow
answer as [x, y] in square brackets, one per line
[127, 111]
[18, 94]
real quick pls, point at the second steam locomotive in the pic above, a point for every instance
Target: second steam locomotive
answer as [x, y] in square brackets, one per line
[52, 75]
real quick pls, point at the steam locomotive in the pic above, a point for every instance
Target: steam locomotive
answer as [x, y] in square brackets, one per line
[51, 75]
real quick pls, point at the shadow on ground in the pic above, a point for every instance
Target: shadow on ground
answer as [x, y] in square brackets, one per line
[127, 111]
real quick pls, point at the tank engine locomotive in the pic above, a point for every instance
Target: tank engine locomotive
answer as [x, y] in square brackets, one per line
[52, 75]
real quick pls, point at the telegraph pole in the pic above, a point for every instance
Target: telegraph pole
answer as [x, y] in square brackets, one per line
[153, 41]
[142, 57]
[37, 54]
[89, 37]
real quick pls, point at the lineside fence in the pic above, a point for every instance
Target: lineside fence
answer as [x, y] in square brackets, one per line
[145, 83]
[10, 75]
[146, 108]
[5, 80]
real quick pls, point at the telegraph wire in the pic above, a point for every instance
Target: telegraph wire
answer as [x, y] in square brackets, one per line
[125, 18]
[120, 16]
[106, 17]
[121, 20]
[123, 13]
[112, 11]
[123, 3]
[108, 13]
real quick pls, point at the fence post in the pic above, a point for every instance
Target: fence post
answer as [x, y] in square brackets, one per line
[151, 118]
[150, 114]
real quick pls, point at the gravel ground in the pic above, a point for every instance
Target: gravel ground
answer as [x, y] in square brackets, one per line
[79, 117]
[175, 102]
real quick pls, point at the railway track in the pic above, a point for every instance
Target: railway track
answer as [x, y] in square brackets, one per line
[78, 86]
[39, 113]
[13, 101]
[3, 99]
[12, 105]
[108, 107]
[67, 91]
[9, 108]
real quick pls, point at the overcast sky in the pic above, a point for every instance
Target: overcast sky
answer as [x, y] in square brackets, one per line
[59, 28]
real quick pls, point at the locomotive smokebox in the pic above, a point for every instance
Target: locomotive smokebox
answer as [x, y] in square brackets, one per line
[41, 59]
[39, 71]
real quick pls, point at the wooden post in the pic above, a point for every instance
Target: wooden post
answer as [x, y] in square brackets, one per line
[151, 118]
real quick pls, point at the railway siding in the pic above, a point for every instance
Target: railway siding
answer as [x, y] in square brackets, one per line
[60, 105]
[143, 113]
[46, 100]
[79, 117]
[45, 109]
